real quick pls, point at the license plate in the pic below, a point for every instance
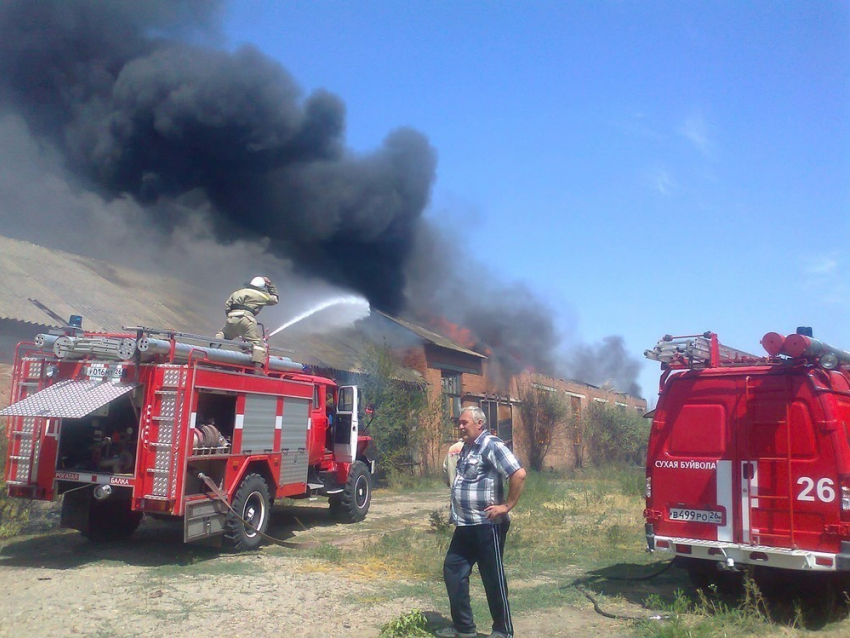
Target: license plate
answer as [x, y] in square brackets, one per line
[696, 516]
[98, 370]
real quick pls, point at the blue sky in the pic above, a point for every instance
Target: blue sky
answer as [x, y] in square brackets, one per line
[648, 168]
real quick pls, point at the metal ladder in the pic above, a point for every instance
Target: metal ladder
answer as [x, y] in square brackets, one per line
[169, 432]
[696, 351]
[23, 430]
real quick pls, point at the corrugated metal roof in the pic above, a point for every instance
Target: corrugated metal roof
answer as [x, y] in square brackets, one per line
[44, 286]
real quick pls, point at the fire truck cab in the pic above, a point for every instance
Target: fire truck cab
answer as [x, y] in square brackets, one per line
[749, 456]
[182, 427]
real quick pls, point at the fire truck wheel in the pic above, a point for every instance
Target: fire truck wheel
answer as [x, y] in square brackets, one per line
[251, 502]
[111, 521]
[353, 504]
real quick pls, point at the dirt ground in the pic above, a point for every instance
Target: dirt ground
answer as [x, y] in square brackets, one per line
[55, 583]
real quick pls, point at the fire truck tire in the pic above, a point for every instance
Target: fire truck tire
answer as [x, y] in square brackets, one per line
[252, 503]
[352, 505]
[111, 522]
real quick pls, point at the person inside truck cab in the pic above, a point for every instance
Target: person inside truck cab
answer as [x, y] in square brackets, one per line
[242, 307]
[330, 409]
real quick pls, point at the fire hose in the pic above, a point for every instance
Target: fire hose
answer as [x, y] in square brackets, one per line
[223, 498]
[579, 583]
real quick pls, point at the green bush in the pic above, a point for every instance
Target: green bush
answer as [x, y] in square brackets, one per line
[405, 422]
[410, 625]
[543, 412]
[614, 435]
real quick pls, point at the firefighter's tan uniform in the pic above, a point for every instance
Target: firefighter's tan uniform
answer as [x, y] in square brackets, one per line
[242, 308]
[450, 463]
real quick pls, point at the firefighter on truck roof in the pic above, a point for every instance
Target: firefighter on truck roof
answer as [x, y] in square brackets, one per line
[242, 307]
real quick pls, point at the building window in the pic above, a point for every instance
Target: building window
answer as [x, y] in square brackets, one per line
[450, 386]
[499, 420]
[450, 383]
[575, 408]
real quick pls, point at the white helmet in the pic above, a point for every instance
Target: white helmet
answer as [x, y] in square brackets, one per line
[258, 282]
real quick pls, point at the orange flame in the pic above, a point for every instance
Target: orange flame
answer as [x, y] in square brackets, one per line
[456, 333]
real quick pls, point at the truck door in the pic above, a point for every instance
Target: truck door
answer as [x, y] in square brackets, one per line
[345, 432]
[787, 488]
[691, 459]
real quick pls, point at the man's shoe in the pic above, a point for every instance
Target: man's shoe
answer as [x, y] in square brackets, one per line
[451, 632]
[498, 634]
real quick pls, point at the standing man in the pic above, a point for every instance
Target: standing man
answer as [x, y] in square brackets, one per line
[480, 511]
[242, 307]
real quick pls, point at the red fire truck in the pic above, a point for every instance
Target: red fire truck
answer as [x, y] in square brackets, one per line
[178, 426]
[749, 456]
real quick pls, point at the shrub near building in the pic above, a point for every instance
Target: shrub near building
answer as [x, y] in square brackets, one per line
[615, 435]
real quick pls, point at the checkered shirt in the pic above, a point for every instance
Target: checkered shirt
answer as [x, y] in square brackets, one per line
[481, 469]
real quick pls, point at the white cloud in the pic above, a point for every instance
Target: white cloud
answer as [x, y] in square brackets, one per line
[661, 180]
[696, 130]
[824, 266]
[822, 276]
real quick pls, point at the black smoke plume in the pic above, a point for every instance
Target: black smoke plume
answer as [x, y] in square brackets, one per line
[161, 132]
[607, 363]
[137, 113]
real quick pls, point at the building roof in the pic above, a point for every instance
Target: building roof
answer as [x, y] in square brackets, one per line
[44, 286]
[431, 337]
[344, 350]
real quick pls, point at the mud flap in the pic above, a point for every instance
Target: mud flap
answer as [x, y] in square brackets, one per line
[842, 559]
[76, 507]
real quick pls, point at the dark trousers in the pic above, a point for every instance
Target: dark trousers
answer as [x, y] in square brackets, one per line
[484, 545]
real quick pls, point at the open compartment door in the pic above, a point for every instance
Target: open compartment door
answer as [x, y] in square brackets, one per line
[345, 434]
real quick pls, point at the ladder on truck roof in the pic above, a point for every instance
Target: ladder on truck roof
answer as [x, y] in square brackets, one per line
[696, 351]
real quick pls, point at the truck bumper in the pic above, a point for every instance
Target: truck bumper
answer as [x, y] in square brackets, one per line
[734, 554]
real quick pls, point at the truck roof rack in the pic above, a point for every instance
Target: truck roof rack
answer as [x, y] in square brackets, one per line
[201, 340]
[697, 351]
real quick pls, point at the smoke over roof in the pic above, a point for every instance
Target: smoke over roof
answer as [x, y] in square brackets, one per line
[141, 143]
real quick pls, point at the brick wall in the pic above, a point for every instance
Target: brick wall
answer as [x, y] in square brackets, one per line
[428, 359]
